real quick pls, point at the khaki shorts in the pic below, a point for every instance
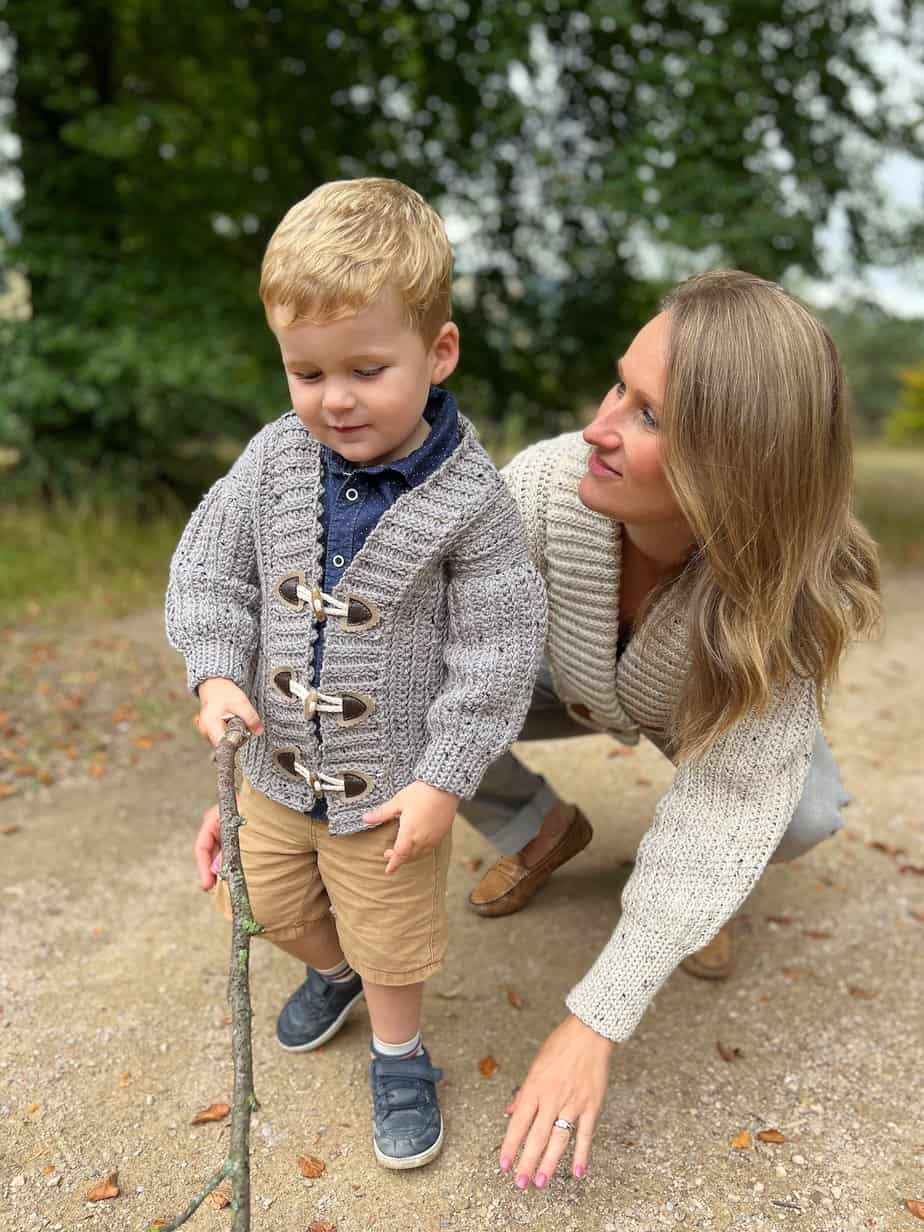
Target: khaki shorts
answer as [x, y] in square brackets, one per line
[393, 930]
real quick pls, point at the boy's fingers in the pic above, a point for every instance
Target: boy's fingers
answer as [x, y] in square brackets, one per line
[382, 812]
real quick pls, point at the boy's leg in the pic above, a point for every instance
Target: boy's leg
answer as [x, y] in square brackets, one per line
[393, 930]
[288, 899]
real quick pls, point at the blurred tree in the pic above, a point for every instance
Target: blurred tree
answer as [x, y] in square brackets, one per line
[875, 347]
[905, 426]
[567, 143]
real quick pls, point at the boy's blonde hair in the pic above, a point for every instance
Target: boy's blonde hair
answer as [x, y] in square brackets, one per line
[757, 450]
[338, 250]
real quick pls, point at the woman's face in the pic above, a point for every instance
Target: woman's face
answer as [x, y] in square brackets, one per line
[625, 478]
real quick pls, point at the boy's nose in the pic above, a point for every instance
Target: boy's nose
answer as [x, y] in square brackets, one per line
[337, 398]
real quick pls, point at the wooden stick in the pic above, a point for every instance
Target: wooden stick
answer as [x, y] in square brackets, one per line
[243, 927]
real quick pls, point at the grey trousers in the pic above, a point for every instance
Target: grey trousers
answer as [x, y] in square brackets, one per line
[511, 802]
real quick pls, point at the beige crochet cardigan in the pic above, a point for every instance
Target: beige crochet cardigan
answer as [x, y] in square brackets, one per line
[721, 820]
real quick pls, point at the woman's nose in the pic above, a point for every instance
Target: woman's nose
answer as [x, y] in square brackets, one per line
[603, 430]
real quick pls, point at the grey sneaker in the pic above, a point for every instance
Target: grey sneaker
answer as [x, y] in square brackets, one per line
[407, 1128]
[316, 1011]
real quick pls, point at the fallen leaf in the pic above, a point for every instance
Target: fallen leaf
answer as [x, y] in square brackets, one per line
[514, 999]
[770, 1135]
[144, 743]
[886, 850]
[11, 829]
[726, 1053]
[796, 973]
[817, 934]
[214, 1112]
[48, 1169]
[25, 771]
[102, 1190]
[741, 1141]
[34, 1108]
[7, 790]
[641, 781]
[219, 1198]
[779, 919]
[321, 1225]
[915, 1206]
[862, 994]
[474, 863]
[487, 1067]
[917, 915]
[311, 1166]
[124, 1079]
[916, 869]
[96, 769]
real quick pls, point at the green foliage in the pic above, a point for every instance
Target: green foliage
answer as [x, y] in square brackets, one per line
[162, 142]
[889, 500]
[875, 347]
[906, 424]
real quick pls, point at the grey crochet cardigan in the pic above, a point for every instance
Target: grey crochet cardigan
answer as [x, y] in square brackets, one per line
[722, 818]
[433, 659]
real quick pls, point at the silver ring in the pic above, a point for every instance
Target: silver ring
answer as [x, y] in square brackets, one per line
[563, 1123]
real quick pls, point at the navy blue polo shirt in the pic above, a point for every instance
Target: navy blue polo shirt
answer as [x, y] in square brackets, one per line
[355, 497]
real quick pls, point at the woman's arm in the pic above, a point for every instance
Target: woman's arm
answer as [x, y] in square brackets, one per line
[712, 836]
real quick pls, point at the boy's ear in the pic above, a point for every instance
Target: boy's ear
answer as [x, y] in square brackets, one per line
[444, 353]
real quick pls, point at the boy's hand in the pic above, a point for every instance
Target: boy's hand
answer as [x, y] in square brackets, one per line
[219, 699]
[425, 814]
[208, 848]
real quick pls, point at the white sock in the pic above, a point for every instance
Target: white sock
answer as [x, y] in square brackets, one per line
[336, 975]
[410, 1048]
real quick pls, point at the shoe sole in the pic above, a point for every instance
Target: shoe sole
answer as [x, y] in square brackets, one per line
[325, 1035]
[410, 1161]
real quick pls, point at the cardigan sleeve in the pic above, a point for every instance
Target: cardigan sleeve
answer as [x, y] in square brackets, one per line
[497, 624]
[213, 597]
[528, 476]
[713, 834]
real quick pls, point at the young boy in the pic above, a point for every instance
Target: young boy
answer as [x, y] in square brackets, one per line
[357, 589]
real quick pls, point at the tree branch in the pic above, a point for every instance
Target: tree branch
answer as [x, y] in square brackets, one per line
[243, 927]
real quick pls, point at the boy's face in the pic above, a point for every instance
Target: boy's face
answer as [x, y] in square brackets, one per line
[360, 385]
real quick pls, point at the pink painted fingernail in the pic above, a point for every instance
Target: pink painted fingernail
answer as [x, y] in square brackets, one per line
[579, 1171]
[541, 1180]
[522, 1181]
[505, 1163]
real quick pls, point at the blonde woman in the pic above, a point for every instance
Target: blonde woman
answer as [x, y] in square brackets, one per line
[704, 576]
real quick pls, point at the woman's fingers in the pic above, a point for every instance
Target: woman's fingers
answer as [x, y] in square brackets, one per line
[537, 1142]
[556, 1146]
[582, 1140]
[208, 843]
[524, 1109]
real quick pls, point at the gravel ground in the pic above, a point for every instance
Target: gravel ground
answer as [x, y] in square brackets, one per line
[113, 1025]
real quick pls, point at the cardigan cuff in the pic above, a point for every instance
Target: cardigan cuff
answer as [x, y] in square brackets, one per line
[212, 659]
[614, 994]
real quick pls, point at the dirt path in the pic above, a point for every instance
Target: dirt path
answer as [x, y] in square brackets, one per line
[112, 1017]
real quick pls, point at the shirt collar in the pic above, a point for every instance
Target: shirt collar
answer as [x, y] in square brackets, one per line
[441, 413]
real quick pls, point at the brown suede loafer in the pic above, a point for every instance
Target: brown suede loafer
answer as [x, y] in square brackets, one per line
[714, 961]
[509, 885]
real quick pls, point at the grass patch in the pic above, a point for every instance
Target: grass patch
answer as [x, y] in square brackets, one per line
[889, 500]
[92, 557]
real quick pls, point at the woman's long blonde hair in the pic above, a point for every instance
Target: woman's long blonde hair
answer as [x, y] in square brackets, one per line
[757, 449]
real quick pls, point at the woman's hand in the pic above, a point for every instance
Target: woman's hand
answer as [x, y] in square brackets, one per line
[567, 1080]
[208, 847]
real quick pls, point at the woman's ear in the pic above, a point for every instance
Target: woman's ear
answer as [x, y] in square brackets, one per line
[444, 353]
